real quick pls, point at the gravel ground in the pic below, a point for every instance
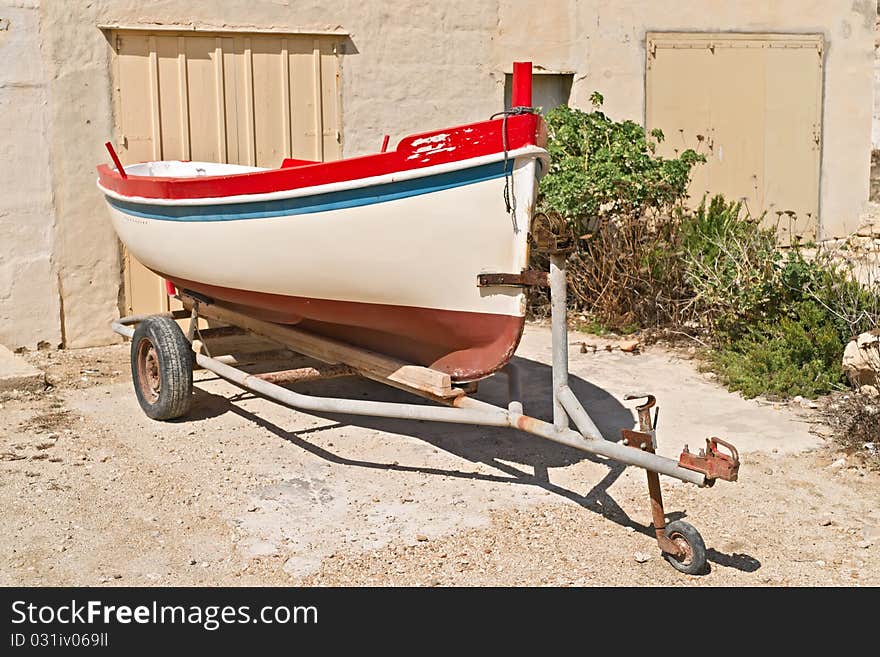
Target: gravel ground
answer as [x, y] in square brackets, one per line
[247, 493]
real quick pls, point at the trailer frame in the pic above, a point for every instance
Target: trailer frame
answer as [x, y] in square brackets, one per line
[680, 543]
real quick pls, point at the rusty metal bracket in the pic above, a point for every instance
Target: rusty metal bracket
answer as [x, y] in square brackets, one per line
[712, 462]
[646, 424]
[638, 439]
[193, 322]
[528, 278]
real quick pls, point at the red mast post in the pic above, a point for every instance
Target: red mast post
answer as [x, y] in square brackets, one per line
[521, 95]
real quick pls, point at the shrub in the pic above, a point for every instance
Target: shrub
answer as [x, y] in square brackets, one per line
[730, 263]
[607, 183]
[779, 320]
[604, 169]
[797, 353]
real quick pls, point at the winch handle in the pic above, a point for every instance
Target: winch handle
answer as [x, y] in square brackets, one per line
[644, 410]
[734, 454]
[650, 403]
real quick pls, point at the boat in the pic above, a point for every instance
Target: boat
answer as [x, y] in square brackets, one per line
[382, 251]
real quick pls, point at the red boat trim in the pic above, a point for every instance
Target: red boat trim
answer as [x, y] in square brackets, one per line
[321, 202]
[466, 345]
[414, 152]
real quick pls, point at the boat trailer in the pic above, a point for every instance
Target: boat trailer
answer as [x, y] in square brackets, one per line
[163, 359]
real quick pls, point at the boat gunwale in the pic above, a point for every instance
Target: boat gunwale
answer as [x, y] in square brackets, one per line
[450, 146]
[354, 183]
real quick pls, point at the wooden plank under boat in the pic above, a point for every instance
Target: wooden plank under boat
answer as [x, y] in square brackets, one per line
[381, 251]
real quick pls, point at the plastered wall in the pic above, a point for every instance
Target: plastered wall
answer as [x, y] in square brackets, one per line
[29, 298]
[409, 66]
[875, 136]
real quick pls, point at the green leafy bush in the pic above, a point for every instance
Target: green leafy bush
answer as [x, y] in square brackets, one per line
[619, 197]
[779, 320]
[797, 353]
[600, 167]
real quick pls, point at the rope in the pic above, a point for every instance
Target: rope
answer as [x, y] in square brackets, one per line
[509, 194]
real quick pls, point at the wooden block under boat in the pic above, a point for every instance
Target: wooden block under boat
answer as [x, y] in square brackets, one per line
[368, 363]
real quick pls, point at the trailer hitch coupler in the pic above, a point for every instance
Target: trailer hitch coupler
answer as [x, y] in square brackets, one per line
[712, 462]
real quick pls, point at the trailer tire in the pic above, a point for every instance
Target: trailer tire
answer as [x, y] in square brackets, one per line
[162, 368]
[688, 538]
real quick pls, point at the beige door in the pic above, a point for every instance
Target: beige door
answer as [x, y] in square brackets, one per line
[755, 99]
[220, 97]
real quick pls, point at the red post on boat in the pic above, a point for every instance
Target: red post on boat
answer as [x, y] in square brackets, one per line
[522, 85]
[115, 157]
[385, 143]
[170, 290]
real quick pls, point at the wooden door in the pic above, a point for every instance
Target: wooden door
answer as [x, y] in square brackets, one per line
[249, 99]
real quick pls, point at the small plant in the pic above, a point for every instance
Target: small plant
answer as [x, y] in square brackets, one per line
[797, 353]
[849, 294]
[855, 420]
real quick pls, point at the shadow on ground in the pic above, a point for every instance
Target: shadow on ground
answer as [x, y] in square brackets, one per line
[493, 446]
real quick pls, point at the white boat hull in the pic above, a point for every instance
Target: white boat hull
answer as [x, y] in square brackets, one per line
[397, 266]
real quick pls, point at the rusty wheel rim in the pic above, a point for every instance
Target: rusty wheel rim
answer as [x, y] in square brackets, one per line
[149, 380]
[686, 552]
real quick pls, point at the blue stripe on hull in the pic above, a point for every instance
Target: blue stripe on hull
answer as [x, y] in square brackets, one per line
[350, 198]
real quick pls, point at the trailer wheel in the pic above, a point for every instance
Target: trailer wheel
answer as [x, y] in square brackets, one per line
[685, 535]
[162, 368]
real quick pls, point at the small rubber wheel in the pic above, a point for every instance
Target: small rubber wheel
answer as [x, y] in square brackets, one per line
[685, 535]
[162, 368]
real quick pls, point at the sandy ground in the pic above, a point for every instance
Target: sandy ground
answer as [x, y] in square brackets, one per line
[247, 492]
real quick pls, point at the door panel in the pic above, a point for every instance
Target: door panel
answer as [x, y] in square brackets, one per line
[237, 98]
[757, 101]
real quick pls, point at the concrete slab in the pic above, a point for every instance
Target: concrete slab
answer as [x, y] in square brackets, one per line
[17, 374]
